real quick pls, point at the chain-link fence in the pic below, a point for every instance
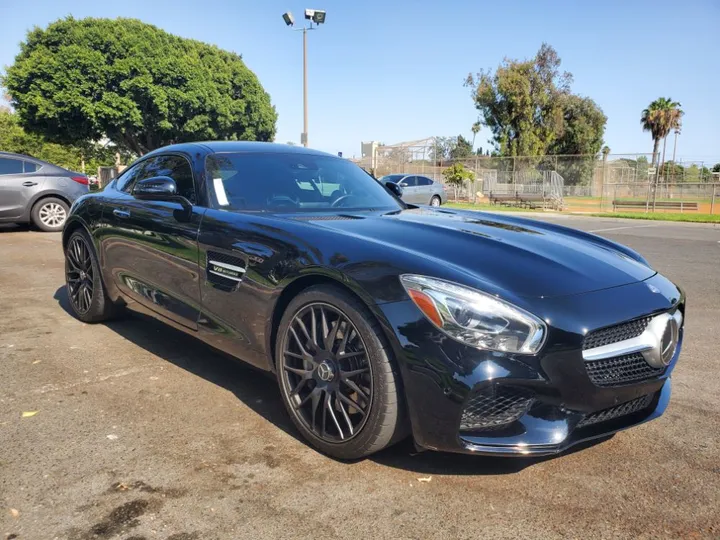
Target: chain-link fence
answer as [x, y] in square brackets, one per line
[702, 197]
[580, 183]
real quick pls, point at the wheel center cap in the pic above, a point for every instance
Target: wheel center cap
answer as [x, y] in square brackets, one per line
[83, 275]
[326, 372]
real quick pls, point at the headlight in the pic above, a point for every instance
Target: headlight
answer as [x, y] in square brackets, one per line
[475, 318]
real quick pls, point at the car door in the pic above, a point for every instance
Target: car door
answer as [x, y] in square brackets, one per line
[409, 185]
[424, 190]
[18, 186]
[243, 255]
[151, 248]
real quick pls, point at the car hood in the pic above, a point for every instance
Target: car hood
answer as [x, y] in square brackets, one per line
[525, 257]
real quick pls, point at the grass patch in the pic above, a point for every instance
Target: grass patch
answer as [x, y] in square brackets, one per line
[487, 206]
[669, 216]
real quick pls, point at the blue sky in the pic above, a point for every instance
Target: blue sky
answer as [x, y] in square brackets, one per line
[393, 70]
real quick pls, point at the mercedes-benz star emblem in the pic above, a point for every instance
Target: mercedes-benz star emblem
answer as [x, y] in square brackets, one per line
[663, 332]
[668, 343]
[325, 372]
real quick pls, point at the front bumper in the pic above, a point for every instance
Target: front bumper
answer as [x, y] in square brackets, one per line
[543, 434]
[565, 406]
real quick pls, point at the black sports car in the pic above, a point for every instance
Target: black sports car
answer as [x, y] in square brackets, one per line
[471, 331]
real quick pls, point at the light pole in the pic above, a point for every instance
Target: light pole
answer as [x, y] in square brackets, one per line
[314, 16]
[677, 132]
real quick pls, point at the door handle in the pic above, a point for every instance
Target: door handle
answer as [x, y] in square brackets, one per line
[121, 213]
[29, 184]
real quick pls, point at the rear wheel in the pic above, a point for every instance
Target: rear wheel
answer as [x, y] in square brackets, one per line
[85, 288]
[337, 378]
[435, 201]
[49, 214]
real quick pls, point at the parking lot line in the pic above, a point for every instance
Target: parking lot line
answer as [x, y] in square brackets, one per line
[625, 227]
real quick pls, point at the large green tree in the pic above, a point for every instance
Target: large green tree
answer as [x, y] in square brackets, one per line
[448, 148]
[530, 111]
[579, 138]
[462, 148]
[582, 127]
[13, 138]
[82, 80]
[660, 118]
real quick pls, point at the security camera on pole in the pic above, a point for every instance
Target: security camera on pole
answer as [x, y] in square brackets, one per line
[314, 16]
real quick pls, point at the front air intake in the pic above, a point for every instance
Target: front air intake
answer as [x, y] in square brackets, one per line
[624, 409]
[494, 407]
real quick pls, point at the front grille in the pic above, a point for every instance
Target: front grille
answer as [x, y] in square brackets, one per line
[613, 334]
[494, 407]
[629, 407]
[626, 369]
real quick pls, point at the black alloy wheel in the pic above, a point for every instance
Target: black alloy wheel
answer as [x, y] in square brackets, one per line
[85, 289]
[337, 375]
[79, 275]
[326, 370]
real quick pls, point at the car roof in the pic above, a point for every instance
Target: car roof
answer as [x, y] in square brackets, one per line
[237, 146]
[19, 156]
[44, 164]
[405, 175]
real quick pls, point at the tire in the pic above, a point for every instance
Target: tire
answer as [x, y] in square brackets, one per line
[435, 201]
[49, 214]
[82, 273]
[338, 429]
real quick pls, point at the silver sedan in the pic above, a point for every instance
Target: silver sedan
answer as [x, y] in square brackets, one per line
[37, 192]
[418, 189]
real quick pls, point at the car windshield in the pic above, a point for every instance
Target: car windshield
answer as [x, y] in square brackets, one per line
[293, 182]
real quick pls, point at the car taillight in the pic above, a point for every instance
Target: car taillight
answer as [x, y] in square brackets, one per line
[80, 180]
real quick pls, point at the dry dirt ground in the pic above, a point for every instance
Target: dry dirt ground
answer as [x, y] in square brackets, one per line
[140, 432]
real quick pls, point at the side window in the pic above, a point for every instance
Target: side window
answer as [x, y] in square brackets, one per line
[422, 181]
[409, 181]
[177, 168]
[10, 166]
[29, 166]
[126, 180]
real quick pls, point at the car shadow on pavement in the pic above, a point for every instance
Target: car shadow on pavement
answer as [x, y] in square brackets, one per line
[258, 390]
[14, 227]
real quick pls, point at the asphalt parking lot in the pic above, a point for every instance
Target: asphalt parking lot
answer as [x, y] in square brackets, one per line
[141, 432]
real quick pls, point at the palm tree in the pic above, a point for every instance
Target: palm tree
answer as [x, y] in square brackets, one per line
[475, 129]
[660, 118]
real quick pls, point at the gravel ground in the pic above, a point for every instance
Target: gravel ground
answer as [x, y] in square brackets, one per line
[136, 431]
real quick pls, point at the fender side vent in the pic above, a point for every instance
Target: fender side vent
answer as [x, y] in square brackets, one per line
[225, 270]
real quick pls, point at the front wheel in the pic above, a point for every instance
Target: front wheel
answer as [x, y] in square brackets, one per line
[435, 201]
[337, 378]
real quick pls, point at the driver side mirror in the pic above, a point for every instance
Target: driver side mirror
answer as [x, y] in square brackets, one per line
[396, 189]
[160, 188]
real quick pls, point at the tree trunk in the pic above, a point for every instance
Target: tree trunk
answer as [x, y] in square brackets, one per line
[656, 153]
